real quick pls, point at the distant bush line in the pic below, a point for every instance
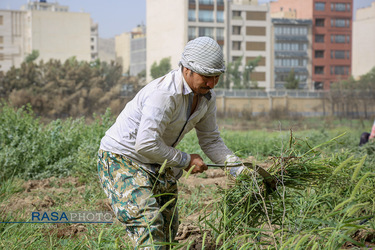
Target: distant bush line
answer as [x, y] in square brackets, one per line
[70, 89]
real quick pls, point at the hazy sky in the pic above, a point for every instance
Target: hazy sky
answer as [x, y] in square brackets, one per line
[117, 16]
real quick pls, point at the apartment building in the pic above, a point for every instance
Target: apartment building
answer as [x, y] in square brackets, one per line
[291, 40]
[332, 32]
[48, 28]
[363, 59]
[122, 50]
[13, 46]
[171, 24]
[130, 49]
[138, 51]
[249, 37]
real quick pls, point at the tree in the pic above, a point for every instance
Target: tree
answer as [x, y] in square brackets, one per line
[32, 57]
[291, 81]
[158, 70]
[234, 73]
[249, 68]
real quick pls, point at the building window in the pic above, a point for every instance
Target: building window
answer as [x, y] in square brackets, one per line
[340, 23]
[338, 38]
[220, 16]
[318, 85]
[236, 45]
[288, 30]
[206, 2]
[256, 15]
[1, 39]
[337, 54]
[206, 16]
[256, 46]
[235, 58]
[220, 2]
[192, 16]
[319, 53]
[1, 20]
[192, 33]
[319, 22]
[288, 62]
[319, 38]
[319, 70]
[255, 31]
[219, 34]
[236, 14]
[340, 7]
[191, 1]
[340, 70]
[320, 6]
[236, 30]
[206, 31]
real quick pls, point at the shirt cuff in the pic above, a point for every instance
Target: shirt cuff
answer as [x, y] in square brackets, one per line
[185, 161]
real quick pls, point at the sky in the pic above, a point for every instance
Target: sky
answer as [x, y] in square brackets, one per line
[117, 16]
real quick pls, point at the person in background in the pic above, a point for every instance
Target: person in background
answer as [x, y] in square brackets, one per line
[146, 134]
[365, 137]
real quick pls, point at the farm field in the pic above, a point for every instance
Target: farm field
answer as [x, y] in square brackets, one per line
[324, 199]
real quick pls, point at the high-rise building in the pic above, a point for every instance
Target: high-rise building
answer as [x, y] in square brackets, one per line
[332, 32]
[241, 28]
[249, 37]
[130, 50]
[48, 28]
[138, 50]
[291, 51]
[171, 24]
[122, 50]
[363, 59]
[13, 46]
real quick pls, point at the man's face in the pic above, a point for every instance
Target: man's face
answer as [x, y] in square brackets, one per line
[200, 84]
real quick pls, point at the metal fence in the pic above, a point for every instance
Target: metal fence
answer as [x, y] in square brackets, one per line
[275, 93]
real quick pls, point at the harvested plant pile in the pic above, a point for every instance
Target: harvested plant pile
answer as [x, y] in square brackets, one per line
[321, 200]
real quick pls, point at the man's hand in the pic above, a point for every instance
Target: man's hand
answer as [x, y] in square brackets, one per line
[196, 161]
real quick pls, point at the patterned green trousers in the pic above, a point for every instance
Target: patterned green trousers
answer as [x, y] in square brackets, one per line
[143, 201]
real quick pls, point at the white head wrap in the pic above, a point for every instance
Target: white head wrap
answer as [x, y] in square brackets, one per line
[204, 56]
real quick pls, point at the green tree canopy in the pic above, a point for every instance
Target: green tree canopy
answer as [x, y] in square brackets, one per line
[32, 57]
[291, 80]
[158, 70]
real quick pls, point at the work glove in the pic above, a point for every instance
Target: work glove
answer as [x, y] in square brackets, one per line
[236, 171]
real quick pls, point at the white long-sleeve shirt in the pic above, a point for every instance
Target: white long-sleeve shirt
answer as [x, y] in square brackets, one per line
[156, 120]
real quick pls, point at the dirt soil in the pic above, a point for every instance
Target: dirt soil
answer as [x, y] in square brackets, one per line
[47, 194]
[64, 193]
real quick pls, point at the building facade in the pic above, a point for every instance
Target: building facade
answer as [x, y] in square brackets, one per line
[331, 31]
[138, 51]
[363, 59]
[122, 50]
[249, 37]
[291, 51]
[130, 49]
[170, 28]
[13, 46]
[48, 28]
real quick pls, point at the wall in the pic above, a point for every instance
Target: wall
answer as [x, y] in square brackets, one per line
[61, 35]
[166, 31]
[298, 103]
[363, 59]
